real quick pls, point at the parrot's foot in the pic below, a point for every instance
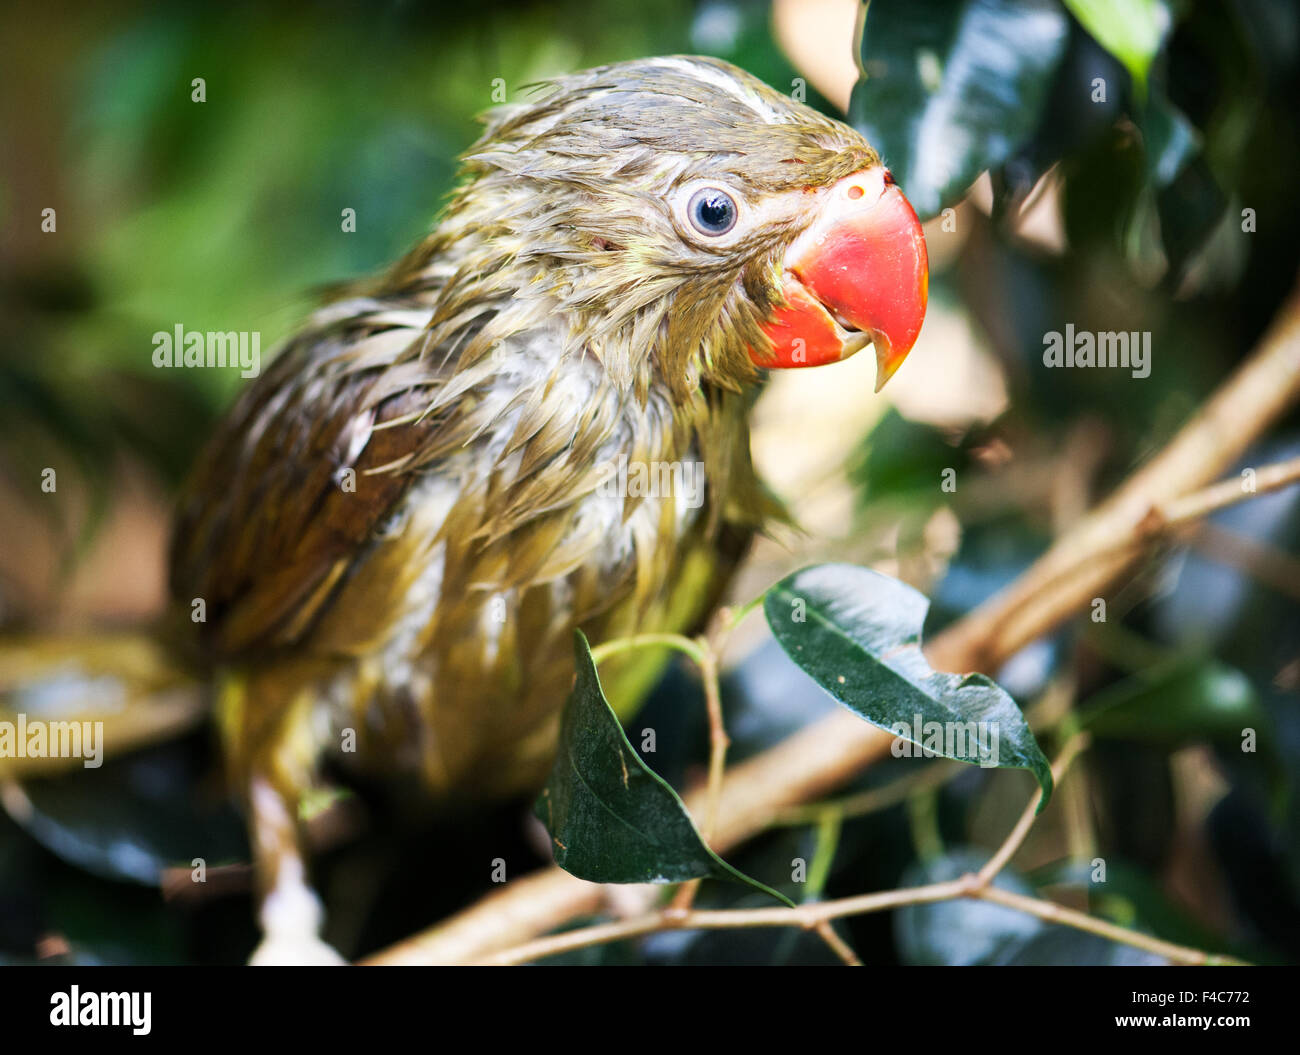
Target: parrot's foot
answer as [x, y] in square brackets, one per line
[291, 917]
[291, 914]
[295, 950]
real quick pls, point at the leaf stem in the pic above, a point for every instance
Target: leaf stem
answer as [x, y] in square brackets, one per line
[923, 822]
[827, 842]
[680, 642]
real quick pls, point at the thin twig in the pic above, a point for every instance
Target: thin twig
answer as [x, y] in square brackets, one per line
[810, 917]
[1164, 520]
[1255, 396]
[838, 945]
[1227, 493]
[718, 744]
[718, 739]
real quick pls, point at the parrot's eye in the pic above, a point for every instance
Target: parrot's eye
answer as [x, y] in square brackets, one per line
[712, 211]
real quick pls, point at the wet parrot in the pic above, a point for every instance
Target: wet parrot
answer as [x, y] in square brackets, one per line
[399, 525]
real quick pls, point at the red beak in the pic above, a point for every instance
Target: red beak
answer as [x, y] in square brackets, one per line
[858, 274]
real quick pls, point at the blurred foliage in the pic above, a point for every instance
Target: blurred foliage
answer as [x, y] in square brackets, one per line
[226, 215]
[969, 78]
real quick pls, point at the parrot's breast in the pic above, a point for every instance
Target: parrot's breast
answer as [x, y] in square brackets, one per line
[464, 678]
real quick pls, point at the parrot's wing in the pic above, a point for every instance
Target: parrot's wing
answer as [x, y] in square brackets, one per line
[299, 478]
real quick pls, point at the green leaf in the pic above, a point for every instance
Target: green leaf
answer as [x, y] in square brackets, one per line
[903, 459]
[612, 819]
[858, 634]
[1131, 30]
[951, 89]
[1189, 699]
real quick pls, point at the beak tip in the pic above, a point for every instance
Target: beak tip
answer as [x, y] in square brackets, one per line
[887, 362]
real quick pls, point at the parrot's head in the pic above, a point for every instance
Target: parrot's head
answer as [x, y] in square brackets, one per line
[688, 221]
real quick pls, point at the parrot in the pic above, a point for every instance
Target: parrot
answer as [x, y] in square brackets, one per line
[399, 525]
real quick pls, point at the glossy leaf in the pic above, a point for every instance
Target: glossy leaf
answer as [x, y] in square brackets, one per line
[612, 819]
[858, 634]
[1131, 30]
[951, 89]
